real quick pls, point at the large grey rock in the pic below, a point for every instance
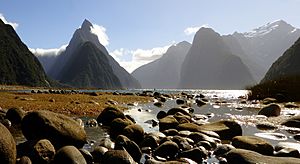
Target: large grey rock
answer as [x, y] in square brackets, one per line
[8, 150]
[246, 156]
[253, 143]
[61, 130]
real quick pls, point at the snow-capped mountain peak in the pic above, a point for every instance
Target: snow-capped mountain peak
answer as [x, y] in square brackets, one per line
[270, 27]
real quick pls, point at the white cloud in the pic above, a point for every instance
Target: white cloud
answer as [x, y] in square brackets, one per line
[13, 24]
[193, 30]
[138, 57]
[100, 31]
[149, 55]
[130, 66]
[48, 52]
[117, 54]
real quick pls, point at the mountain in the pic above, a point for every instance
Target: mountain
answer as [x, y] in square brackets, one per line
[47, 61]
[285, 66]
[89, 67]
[80, 36]
[282, 81]
[165, 71]
[210, 64]
[18, 65]
[263, 45]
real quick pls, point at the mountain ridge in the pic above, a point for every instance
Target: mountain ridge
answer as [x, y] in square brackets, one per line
[18, 65]
[214, 64]
[82, 35]
[165, 71]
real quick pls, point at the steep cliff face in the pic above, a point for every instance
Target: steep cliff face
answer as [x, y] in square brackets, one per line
[18, 65]
[288, 65]
[81, 36]
[165, 71]
[89, 67]
[210, 64]
[282, 81]
[263, 45]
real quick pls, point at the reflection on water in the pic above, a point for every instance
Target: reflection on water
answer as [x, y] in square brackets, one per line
[222, 104]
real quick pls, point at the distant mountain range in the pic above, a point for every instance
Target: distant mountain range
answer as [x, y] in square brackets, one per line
[210, 64]
[165, 71]
[287, 65]
[86, 63]
[212, 61]
[282, 81]
[257, 49]
[18, 66]
[260, 47]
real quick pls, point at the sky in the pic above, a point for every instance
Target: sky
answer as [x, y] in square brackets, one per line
[136, 32]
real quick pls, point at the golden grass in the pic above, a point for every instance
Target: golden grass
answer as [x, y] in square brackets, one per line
[70, 104]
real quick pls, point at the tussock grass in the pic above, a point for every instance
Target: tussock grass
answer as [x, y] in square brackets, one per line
[70, 104]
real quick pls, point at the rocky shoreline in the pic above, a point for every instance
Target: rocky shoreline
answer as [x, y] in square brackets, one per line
[183, 137]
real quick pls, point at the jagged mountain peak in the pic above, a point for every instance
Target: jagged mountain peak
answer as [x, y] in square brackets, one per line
[183, 43]
[206, 31]
[278, 25]
[175, 47]
[86, 24]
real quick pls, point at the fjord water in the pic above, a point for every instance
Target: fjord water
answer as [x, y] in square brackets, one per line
[222, 105]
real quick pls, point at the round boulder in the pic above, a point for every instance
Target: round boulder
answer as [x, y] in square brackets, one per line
[117, 156]
[122, 142]
[225, 129]
[168, 122]
[8, 150]
[272, 110]
[195, 154]
[167, 149]
[61, 130]
[24, 160]
[292, 122]
[15, 115]
[247, 156]
[68, 155]
[109, 114]
[98, 153]
[41, 151]
[134, 132]
[118, 124]
[253, 143]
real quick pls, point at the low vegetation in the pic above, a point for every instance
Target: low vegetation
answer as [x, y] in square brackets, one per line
[70, 104]
[285, 88]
